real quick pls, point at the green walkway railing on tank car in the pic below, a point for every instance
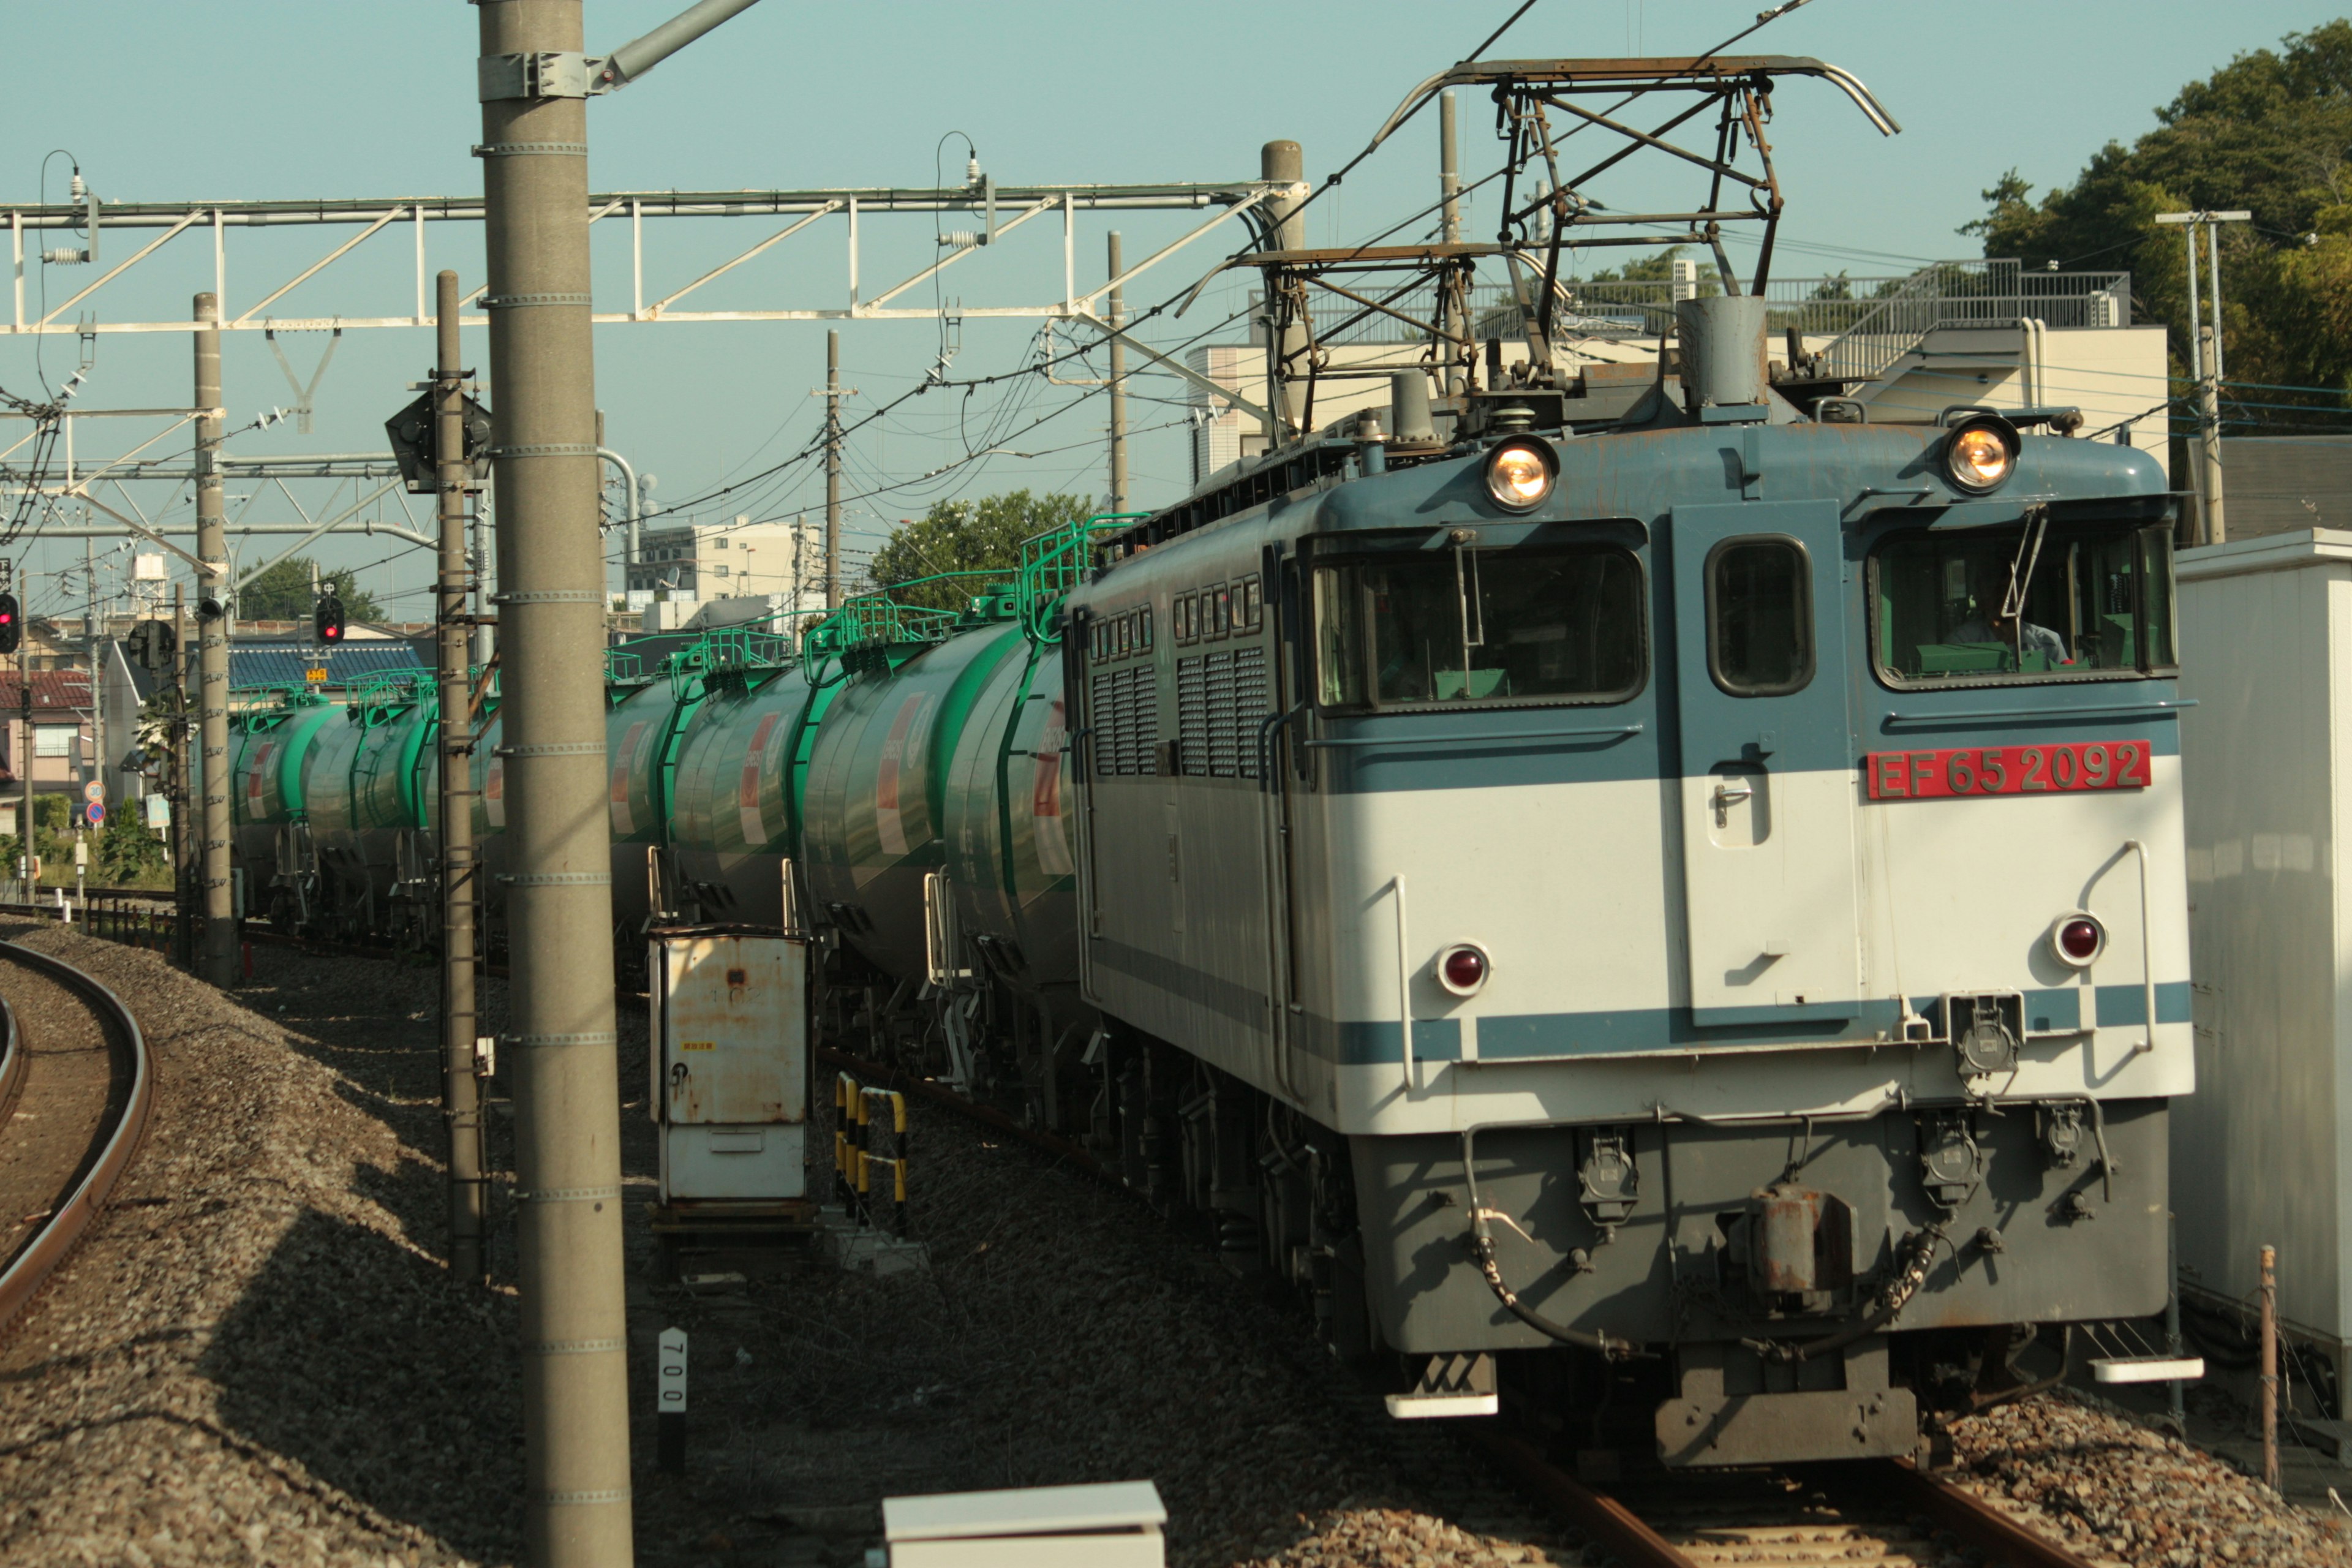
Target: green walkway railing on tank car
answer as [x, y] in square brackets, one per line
[376, 697]
[883, 616]
[744, 650]
[272, 698]
[1052, 563]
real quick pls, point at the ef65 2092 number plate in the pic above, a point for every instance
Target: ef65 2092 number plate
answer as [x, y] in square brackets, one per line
[2067, 766]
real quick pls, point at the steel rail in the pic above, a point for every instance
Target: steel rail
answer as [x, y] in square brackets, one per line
[1608, 1523]
[1969, 1516]
[12, 1062]
[37, 1259]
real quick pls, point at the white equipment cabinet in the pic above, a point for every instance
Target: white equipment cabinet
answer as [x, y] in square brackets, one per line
[731, 1069]
[2261, 1152]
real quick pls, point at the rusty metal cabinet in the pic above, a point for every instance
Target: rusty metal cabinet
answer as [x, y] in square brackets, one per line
[730, 1066]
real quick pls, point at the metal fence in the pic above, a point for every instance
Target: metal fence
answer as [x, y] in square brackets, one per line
[1871, 322]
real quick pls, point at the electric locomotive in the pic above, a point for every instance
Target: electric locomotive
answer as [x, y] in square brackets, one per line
[1703, 888]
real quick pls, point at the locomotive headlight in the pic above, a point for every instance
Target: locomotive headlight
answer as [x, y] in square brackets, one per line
[1462, 968]
[1981, 454]
[2077, 939]
[1519, 473]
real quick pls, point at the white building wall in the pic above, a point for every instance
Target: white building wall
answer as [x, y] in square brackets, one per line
[2262, 1151]
[2113, 374]
[721, 560]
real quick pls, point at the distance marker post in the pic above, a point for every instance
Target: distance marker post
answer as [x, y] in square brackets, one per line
[669, 1402]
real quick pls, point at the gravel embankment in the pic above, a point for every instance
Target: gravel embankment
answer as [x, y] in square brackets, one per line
[257, 1359]
[2107, 1485]
[254, 1357]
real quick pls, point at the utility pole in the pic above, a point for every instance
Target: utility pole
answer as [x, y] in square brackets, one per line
[832, 470]
[175, 790]
[1449, 167]
[577, 1510]
[461, 1088]
[1117, 387]
[24, 773]
[217, 964]
[94, 630]
[1282, 162]
[533, 80]
[1449, 187]
[2205, 367]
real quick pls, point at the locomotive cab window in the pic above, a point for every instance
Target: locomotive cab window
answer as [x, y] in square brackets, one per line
[1760, 617]
[2036, 602]
[1440, 628]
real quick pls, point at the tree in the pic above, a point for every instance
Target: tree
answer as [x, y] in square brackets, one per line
[2269, 132]
[283, 592]
[966, 536]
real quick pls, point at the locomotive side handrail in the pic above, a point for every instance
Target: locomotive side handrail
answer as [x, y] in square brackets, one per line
[1449, 737]
[2167, 709]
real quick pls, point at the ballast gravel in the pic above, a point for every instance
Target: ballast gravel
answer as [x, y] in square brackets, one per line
[254, 1358]
[2088, 1474]
[257, 1359]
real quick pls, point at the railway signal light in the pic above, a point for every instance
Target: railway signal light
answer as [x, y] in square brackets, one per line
[413, 444]
[326, 619]
[12, 624]
[152, 646]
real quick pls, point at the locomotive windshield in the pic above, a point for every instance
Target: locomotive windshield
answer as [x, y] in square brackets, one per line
[1449, 628]
[2044, 601]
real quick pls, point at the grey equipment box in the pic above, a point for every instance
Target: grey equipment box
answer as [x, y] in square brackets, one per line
[730, 1066]
[1115, 1524]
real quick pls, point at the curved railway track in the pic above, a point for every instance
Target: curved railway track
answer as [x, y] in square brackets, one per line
[76, 1089]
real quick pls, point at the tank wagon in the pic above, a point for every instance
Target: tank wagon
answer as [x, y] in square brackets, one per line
[1661, 900]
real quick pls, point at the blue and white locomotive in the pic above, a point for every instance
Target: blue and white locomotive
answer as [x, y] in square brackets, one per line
[1703, 887]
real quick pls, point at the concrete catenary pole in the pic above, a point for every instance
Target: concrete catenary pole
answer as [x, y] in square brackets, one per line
[184, 951]
[25, 754]
[94, 631]
[577, 1503]
[1282, 162]
[1117, 387]
[216, 958]
[461, 1091]
[832, 470]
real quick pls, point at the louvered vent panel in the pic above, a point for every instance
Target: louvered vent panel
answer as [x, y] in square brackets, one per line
[1224, 757]
[1193, 717]
[1249, 705]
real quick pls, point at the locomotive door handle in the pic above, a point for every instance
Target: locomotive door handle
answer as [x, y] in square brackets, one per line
[1727, 796]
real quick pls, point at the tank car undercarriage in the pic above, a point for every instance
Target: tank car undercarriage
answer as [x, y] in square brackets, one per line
[1837, 1288]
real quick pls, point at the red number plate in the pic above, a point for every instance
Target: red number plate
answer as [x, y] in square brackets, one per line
[2007, 770]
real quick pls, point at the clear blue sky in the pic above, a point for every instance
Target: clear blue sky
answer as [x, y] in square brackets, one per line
[162, 99]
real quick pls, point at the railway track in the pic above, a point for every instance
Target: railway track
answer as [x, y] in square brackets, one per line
[77, 1089]
[1864, 1514]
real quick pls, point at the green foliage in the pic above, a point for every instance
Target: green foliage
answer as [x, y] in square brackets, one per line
[2269, 132]
[130, 853]
[283, 593]
[967, 536]
[1655, 268]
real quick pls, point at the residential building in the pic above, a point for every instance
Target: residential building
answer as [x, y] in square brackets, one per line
[735, 560]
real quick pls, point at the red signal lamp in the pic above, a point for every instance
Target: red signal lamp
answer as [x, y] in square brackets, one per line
[1462, 968]
[2078, 939]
